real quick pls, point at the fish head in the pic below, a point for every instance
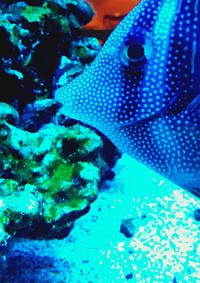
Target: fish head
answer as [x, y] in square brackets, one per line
[141, 70]
[139, 87]
[100, 95]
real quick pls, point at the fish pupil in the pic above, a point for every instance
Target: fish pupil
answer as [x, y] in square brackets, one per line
[136, 52]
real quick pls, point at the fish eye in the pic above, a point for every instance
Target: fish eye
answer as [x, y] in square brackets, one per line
[136, 52]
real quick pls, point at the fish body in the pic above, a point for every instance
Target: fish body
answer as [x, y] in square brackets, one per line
[143, 89]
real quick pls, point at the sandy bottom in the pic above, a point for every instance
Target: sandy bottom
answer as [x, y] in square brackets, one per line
[165, 246]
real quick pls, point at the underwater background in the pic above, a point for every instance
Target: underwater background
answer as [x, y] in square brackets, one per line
[73, 207]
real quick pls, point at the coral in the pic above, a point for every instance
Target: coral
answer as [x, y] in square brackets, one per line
[48, 178]
[49, 171]
[8, 113]
[39, 113]
[34, 35]
[83, 51]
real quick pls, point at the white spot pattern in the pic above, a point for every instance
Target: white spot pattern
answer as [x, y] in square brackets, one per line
[145, 109]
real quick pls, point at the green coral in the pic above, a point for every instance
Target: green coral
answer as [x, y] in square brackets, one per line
[44, 181]
[16, 202]
[33, 36]
[35, 14]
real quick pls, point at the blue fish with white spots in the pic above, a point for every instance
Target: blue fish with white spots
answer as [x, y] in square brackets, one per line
[143, 89]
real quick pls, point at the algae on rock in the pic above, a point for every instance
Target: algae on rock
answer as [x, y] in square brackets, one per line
[49, 173]
[34, 35]
[48, 179]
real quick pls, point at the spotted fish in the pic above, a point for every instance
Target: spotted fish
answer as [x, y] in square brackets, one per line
[143, 89]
